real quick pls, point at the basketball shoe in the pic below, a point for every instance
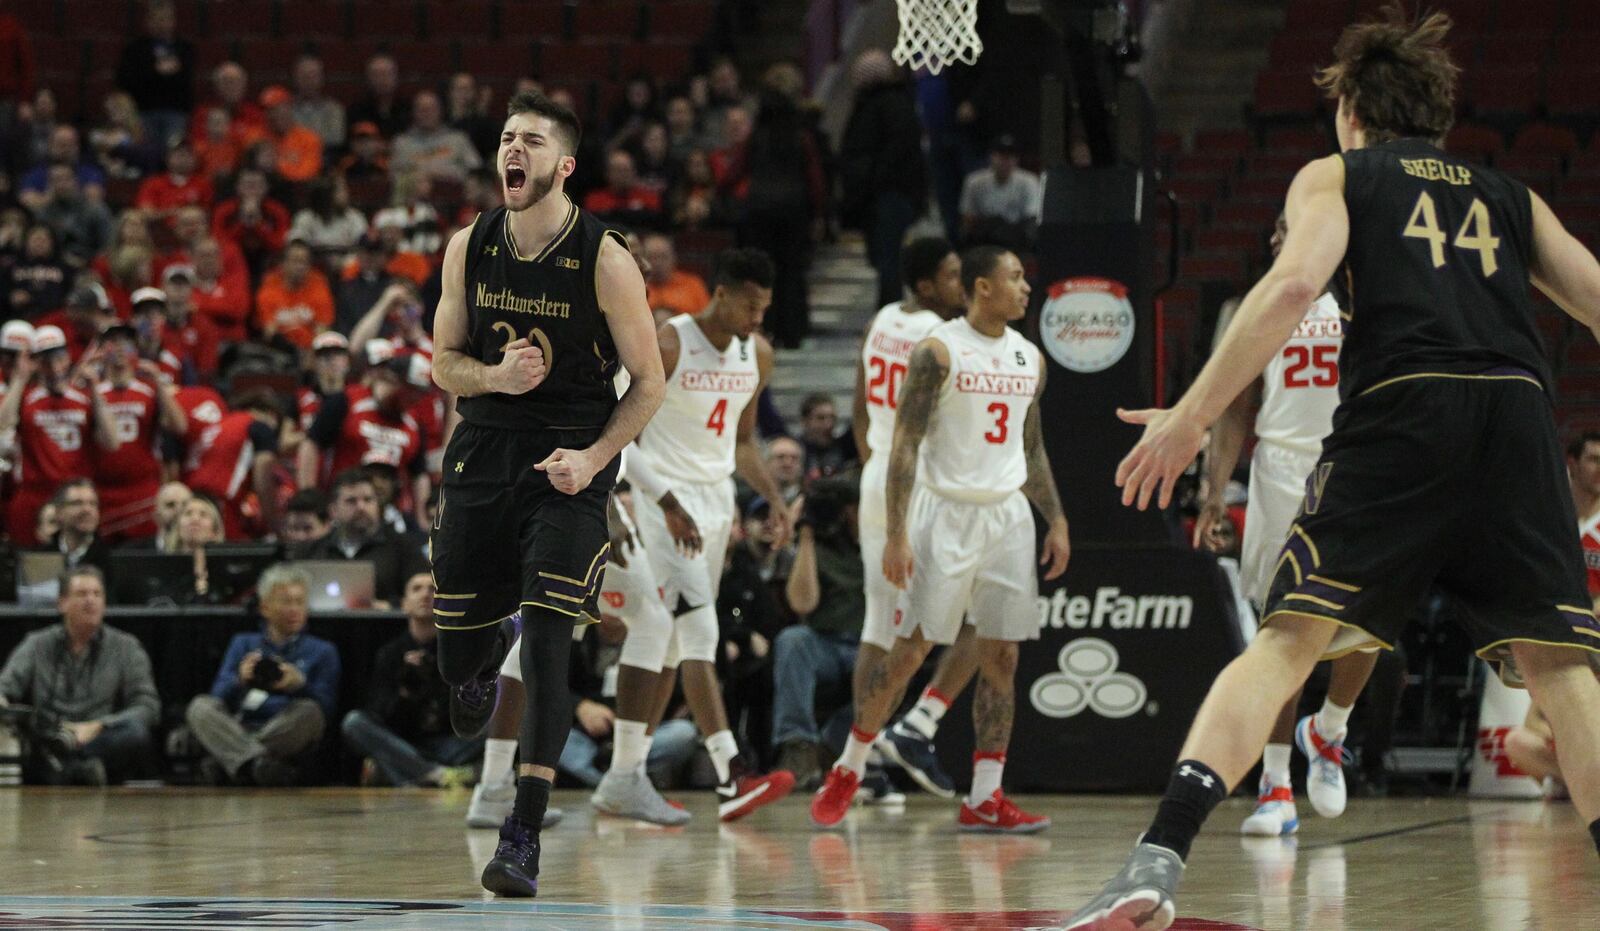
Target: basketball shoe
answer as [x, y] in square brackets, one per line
[743, 793]
[1139, 897]
[1274, 814]
[631, 795]
[1325, 774]
[491, 806]
[832, 801]
[913, 753]
[472, 702]
[999, 815]
[514, 871]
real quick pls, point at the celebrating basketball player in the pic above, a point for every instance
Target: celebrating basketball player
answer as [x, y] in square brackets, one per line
[1445, 400]
[1298, 393]
[540, 303]
[968, 455]
[932, 273]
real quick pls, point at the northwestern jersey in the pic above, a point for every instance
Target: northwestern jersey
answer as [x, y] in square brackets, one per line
[1300, 387]
[973, 450]
[1437, 269]
[547, 298]
[885, 357]
[692, 437]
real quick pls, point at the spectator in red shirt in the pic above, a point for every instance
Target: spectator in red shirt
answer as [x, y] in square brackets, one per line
[86, 313]
[736, 127]
[248, 436]
[191, 336]
[230, 86]
[330, 373]
[251, 220]
[624, 199]
[162, 195]
[149, 323]
[218, 152]
[294, 300]
[222, 298]
[139, 400]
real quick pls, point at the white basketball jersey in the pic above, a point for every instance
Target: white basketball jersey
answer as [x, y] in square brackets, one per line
[885, 356]
[973, 450]
[691, 438]
[1300, 386]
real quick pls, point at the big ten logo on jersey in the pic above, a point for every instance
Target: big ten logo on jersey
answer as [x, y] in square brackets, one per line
[565, 261]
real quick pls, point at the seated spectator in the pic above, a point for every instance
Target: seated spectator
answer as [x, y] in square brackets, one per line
[683, 129]
[404, 729]
[82, 225]
[170, 502]
[667, 286]
[364, 282]
[39, 280]
[367, 159]
[251, 220]
[430, 146]
[623, 199]
[305, 520]
[157, 68]
[827, 451]
[218, 150]
[294, 301]
[382, 106]
[245, 123]
[78, 511]
[637, 107]
[737, 124]
[109, 702]
[299, 150]
[274, 692]
[222, 298]
[786, 460]
[314, 109]
[198, 526]
[64, 149]
[816, 659]
[328, 224]
[468, 111]
[181, 186]
[1001, 204]
[356, 532]
[119, 143]
[190, 335]
[694, 200]
[411, 213]
[652, 157]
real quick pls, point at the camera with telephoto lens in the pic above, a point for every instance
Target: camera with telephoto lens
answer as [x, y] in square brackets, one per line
[267, 673]
[825, 505]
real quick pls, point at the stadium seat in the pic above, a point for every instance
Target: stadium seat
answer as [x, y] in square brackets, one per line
[1542, 15]
[1578, 187]
[1574, 91]
[1575, 47]
[90, 18]
[1315, 142]
[1205, 165]
[1223, 140]
[1513, 91]
[249, 20]
[1246, 214]
[1265, 190]
[667, 63]
[37, 16]
[461, 19]
[1197, 268]
[1478, 142]
[1545, 139]
[321, 20]
[589, 61]
[385, 19]
[421, 62]
[606, 19]
[493, 60]
[1297, 50]
[1515, 49]
[1285, 93]
[680, 19]
[1195, 190]
[1231, 240]
[1326, 15]
[269, 61]
[529, 20]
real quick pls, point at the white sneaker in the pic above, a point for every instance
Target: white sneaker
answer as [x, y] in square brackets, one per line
[1325, 772]
[1274, 815]
[491, 805]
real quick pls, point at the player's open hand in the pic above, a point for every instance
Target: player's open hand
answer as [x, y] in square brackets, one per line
[1169, 444]
[1056, 551]
[570, 470]
[897, 561]
[680, 525]
[521, 370]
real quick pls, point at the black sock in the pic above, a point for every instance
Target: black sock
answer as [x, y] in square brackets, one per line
[533, 797]
[1195, 789]
[1594, 832]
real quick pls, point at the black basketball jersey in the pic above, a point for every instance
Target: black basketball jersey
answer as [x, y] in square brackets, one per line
[547, 298]
[1436, 268]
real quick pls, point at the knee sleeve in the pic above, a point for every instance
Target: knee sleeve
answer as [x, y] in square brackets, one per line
[547, 710]
[649, 637]
[695, 635]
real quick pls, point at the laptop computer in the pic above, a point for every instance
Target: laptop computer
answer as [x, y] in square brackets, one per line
[146, 577]
[339, 584]
[39, 578]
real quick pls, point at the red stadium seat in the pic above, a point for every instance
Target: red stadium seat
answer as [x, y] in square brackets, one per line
[1314, 142]
[385, 19]
[1265, 190]
[269, 61]
[420, 62]
[90, 18]
[1300, 50]
[1196, 190]
[1507, 90]
[1515, 49]
[1578, 187]
[326, 21]
[1231, 240]
[1586, 163]
[584, 60]
[1542, 15]
[1576, 47]
[1479, 142]
[680, 19]
[1168, 142]
[491, 60]
[1197, 268]
[460, 19]
[247, 20]
[1545, 139]
[1248, 214]
[1316, 14]
[1223, 140]
[528, 20]
[37, 16]
[664, 62]
[1574, 91]
[606, 19]
[1205, 165]
[1285, 93]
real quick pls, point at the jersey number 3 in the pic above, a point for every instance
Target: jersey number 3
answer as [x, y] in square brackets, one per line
[1475, 234]
[1323, 360]
[1002, 416]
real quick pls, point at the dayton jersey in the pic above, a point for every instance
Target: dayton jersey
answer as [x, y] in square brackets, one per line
[135, 414]
[1300, 386]
[1589, 535]
[52, 437]
[885, 358]
[973, 450]
[692, 437]
[1437, 269]
[547, 298]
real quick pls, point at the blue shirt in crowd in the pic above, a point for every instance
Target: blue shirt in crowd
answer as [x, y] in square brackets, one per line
[317, 660]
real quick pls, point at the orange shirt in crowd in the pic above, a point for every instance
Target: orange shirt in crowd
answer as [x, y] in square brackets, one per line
[412, 266]
[299, 314]
[164, 194]
[299, 153]
[683, 293]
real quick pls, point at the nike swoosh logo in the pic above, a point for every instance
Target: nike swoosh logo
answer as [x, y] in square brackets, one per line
[729, 792]
[987, 819]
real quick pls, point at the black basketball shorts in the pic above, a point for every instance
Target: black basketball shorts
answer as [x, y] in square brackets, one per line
[504, 538]
[1457, 481]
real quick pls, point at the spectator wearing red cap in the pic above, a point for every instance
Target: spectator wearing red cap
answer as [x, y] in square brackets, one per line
[299, 149]
[294, 301]
[138, 396]
[251, 220]
[57, 418]
[162, 195]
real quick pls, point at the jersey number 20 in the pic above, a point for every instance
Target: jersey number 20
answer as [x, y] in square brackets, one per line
[884, 388]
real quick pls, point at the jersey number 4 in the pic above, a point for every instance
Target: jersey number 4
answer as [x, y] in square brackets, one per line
[1475, 234]
[884, 388]
[718, 421]
[1322, 360]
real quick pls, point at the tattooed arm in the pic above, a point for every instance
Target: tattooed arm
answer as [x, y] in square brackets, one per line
[1040, 488]
[930, 365]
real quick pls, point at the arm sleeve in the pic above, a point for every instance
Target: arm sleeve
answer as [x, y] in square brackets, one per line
[642, 473]
[325, 427]
[139, 699]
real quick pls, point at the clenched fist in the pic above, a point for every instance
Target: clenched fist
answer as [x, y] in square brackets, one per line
[521, 370]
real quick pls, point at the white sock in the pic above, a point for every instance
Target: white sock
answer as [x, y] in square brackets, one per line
[987, 769]
[497, 756]
[856, 746]
[1331, 720]
[924, 717]
[630, 746]
[1275, 763]
[723, 748]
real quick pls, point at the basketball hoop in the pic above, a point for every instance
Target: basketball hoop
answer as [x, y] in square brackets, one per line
[936, 33]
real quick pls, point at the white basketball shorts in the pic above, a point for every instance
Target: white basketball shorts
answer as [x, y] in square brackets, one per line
[975, 559]
[1277, 486]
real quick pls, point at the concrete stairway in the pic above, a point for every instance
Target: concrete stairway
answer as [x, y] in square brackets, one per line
[843, 300]
[1210, 72]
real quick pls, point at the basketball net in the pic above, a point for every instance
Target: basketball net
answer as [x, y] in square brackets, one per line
[936, 33]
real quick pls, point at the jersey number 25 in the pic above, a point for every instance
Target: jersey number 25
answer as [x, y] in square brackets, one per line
[1322, 360]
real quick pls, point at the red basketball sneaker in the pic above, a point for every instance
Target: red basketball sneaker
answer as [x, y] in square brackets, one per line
[832, 801]
[743, 794]
[997, 815]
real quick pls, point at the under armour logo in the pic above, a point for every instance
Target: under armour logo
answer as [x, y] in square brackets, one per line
[458, 467]
[491, 250]
[1189, 772]
[1088, 679]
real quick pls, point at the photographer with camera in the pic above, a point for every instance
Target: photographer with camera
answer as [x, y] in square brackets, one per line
[274, 693]
[818, 655]
[404, 730]
[92, 698]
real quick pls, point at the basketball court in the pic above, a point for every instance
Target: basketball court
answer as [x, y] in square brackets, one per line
[353, 858]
